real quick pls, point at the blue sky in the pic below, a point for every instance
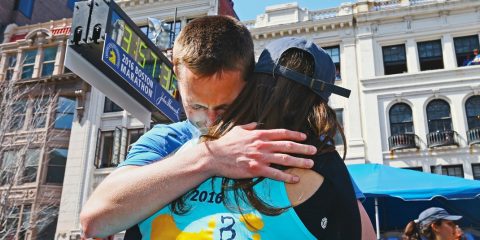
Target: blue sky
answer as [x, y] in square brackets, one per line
[249, 9]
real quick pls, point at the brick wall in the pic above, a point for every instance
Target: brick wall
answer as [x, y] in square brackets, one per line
[43, 11]
[6, 9]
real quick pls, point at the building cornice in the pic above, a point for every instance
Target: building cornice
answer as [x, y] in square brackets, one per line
[329, 24]
[415, 11]
[464, 76]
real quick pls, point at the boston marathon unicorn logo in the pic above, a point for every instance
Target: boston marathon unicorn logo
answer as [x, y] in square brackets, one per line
[112, 54]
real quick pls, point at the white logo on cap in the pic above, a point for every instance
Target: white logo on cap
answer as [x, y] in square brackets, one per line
[324, 222]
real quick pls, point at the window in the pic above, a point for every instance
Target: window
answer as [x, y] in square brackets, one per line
[25, 7]
[28, 62]
[334, 53]
[8, 166]
[56, 165]
[476, 171]
[146, 31]
[449, 170]
[48, 61]
[18, 221]
[25, 225]
[173, 31]
[438, 116]
[394, 59]
[64, 113]
[108, 148]
[430, 55]
[464, 47]
[32, 157]
[472, 108]
[39, 114]
[19, 109]
[46, 223]
[338, 137]
[401, 120]
[11, 63]
[133, 136]
[12, 221]
[111, 106]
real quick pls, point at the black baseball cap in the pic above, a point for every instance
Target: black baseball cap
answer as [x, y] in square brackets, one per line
[433, 214]
[323, 79]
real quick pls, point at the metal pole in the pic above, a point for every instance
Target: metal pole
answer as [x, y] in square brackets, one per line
[174, 27]
[377, 221]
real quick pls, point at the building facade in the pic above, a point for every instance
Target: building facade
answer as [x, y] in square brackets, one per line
[34, 136]
[415, 103]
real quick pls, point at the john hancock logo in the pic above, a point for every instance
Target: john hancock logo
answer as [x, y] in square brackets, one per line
[112, 54]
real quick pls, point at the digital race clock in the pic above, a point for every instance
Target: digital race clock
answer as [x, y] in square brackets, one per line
[109, 40]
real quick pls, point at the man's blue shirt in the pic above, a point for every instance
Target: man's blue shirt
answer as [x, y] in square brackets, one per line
[159, 142]
[164, 139]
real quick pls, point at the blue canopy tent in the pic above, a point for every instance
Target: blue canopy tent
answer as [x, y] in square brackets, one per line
[396, 196]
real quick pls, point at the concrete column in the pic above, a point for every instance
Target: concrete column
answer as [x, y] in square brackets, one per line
[79, 168]
[59, 57]
[459, 121]
[355, 141]
[448, 49]
[38, 61]
[420, 123]
[467, 169]
[17, 66]
[413, 64]
[366, 66]
[371, 119]
[123, 140]
[3, 65]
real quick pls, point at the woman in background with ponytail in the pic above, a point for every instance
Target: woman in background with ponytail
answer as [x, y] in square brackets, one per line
[433, 224]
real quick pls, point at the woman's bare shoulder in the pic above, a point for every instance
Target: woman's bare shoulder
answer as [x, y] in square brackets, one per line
[310, 182]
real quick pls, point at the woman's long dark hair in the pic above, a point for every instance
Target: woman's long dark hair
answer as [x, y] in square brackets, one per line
[275, 102]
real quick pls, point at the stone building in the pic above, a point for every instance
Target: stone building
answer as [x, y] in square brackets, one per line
[31, 59]
[414, 103]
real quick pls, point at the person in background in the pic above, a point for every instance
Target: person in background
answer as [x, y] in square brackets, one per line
[476, 58]
[433, 224]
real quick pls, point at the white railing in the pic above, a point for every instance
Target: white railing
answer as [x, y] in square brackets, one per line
[323, 13]
[422, 2]
[385, 5]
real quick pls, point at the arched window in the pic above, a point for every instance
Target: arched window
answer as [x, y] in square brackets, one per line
[401, 120]
[472, 108]
[438, 116]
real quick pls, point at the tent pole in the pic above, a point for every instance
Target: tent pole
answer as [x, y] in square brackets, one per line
[377, 221]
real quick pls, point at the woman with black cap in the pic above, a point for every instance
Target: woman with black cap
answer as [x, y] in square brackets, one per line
[434, 224]
[290, 89]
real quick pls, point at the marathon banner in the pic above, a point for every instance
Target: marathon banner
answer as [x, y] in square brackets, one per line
[133, 73]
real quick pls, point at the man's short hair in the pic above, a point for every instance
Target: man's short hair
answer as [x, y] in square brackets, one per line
[214, 43]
